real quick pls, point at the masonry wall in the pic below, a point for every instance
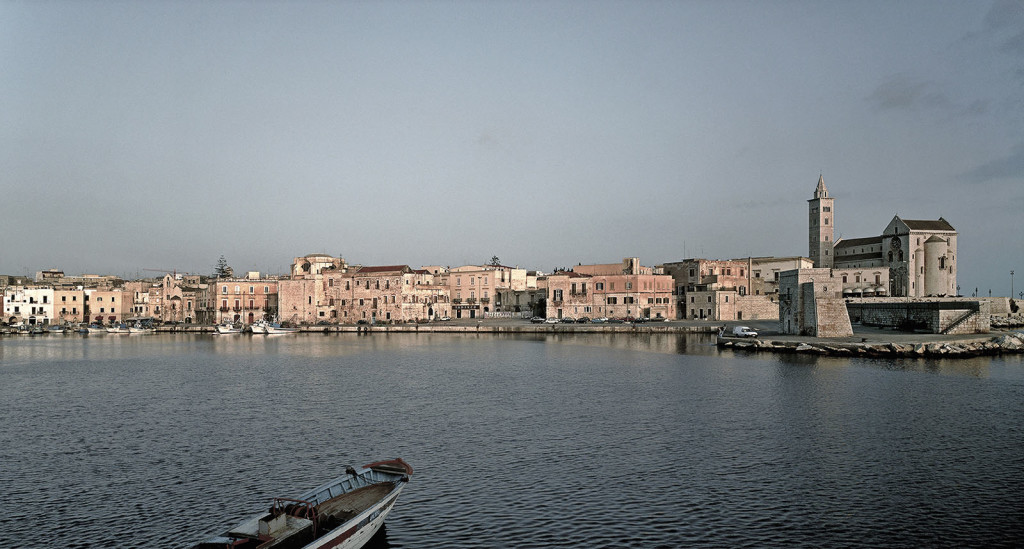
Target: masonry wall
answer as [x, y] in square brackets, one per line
[756, 307]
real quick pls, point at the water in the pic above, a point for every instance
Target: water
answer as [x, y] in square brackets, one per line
[517, 441]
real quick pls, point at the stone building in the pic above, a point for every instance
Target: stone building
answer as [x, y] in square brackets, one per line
[387, 293]
[107, 305]
[911, 258]
[733, 289]
[243, 300]
[477, 291]
[68, 305]
[612, 290]
[810, 303]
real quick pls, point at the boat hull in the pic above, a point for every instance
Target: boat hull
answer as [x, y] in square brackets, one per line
[348, 511]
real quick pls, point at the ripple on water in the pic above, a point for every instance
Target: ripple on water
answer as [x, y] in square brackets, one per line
[516, 443]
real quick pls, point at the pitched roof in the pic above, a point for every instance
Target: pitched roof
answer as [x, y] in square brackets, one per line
[850, 242]
[939, 224]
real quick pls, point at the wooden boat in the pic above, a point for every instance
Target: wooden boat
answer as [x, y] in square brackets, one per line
[345, 512]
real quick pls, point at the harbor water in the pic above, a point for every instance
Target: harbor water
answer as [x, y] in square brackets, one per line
[586, 440]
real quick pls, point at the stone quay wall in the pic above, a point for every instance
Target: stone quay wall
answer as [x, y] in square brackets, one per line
[936, 316]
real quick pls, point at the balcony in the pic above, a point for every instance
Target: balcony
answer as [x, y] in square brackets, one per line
[485, 300]
[471, 300]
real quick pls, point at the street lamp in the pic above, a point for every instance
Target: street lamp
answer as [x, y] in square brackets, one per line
[1011, 284]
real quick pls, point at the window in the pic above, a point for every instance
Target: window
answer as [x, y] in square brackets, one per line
[238, 289]
[252, 289]
[224, 289]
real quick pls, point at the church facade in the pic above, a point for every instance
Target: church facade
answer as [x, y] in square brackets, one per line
[911, 258]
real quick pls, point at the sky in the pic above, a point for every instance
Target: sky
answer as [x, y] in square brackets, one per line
[148, 136]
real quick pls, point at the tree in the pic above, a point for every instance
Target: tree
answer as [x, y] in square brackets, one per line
[222, 270]
[495, 261]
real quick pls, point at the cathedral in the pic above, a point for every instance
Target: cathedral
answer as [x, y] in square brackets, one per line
[916, 257]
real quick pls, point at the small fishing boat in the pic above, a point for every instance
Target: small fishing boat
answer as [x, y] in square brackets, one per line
[95, 329]
[345, 512]
[121, 328]
[259, 327]
[275, 328]
[140, 328]
[228, 328]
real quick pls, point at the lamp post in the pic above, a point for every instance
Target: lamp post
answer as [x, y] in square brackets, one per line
[1011, 284]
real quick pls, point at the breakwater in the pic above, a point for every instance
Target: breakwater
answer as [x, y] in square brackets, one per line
[1007, 343]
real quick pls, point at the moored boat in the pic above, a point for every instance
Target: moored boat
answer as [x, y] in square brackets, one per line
[345, 512]
[121, 328]
[275, 328]
[259, 327]
[95, 329]
[139, 328]
[228, 329]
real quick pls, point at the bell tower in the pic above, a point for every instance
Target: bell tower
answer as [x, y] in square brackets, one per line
[821, 226]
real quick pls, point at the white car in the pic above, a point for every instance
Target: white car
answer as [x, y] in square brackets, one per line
[743, 331]
[551, 320]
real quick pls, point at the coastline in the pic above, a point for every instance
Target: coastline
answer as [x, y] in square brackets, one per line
[866, 341]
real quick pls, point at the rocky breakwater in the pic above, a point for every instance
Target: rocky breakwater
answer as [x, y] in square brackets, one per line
[1007, 322]
[1007, 343]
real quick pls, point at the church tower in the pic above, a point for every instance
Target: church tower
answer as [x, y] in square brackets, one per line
[821, 226]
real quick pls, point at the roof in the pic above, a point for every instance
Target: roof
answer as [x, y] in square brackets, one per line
[849, 242]
[928, 224]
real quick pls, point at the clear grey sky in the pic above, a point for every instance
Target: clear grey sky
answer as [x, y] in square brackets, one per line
[138, 135]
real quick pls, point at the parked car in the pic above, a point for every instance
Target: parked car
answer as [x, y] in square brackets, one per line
[582, 320]
[445, 318]
[568, 320]
[600, 320]
[551, 320]
[537, 320]
[743, 331]
[614, 321]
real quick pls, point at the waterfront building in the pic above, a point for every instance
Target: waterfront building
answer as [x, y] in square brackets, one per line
[68, 305]
[476, 290]
[244, 300]
[29, 305]
[308, 296]
[625, 289]
[106, 305]
[708, 289]
[919, 255]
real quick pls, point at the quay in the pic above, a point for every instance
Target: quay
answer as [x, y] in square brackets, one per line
[880, 342]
